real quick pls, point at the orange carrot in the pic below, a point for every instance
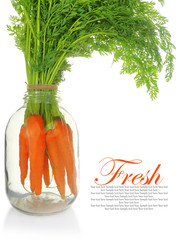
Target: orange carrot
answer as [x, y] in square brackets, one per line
[46, 174]
[56, 161]
[66, 150]
[36, 142]
[23, 154]
[70, 135]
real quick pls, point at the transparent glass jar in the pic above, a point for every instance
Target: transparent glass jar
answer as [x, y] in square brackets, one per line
[41, 155]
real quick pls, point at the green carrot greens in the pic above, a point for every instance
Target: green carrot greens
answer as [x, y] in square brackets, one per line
[50, 31]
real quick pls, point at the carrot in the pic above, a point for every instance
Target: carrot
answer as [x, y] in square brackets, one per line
[23, 154]
[36, 142]
[46, 174]
[65, 145]
[70, 135]
[56, 161]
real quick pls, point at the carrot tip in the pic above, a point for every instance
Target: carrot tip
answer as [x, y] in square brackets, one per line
[26, 189]
[37, 193]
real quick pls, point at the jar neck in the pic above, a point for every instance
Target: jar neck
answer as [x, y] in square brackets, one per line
[41, 97]
[44, 103]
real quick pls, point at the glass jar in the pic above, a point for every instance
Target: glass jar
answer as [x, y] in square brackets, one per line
[41, 155]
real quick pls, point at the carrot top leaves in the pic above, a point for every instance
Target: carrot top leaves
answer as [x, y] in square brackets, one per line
[49, 32]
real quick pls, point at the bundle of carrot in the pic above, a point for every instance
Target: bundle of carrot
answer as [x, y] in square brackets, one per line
[40, 147]
[49, 32]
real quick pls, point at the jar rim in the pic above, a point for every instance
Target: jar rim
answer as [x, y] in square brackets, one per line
[42, 87]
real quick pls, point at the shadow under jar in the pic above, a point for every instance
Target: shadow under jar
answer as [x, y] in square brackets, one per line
[41, 155]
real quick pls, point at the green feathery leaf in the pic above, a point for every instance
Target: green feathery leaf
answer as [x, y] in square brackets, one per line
[49, 32]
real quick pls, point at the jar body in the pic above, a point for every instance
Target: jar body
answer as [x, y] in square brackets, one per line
[56, 176]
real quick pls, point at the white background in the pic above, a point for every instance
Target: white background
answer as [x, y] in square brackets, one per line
[114, 119]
